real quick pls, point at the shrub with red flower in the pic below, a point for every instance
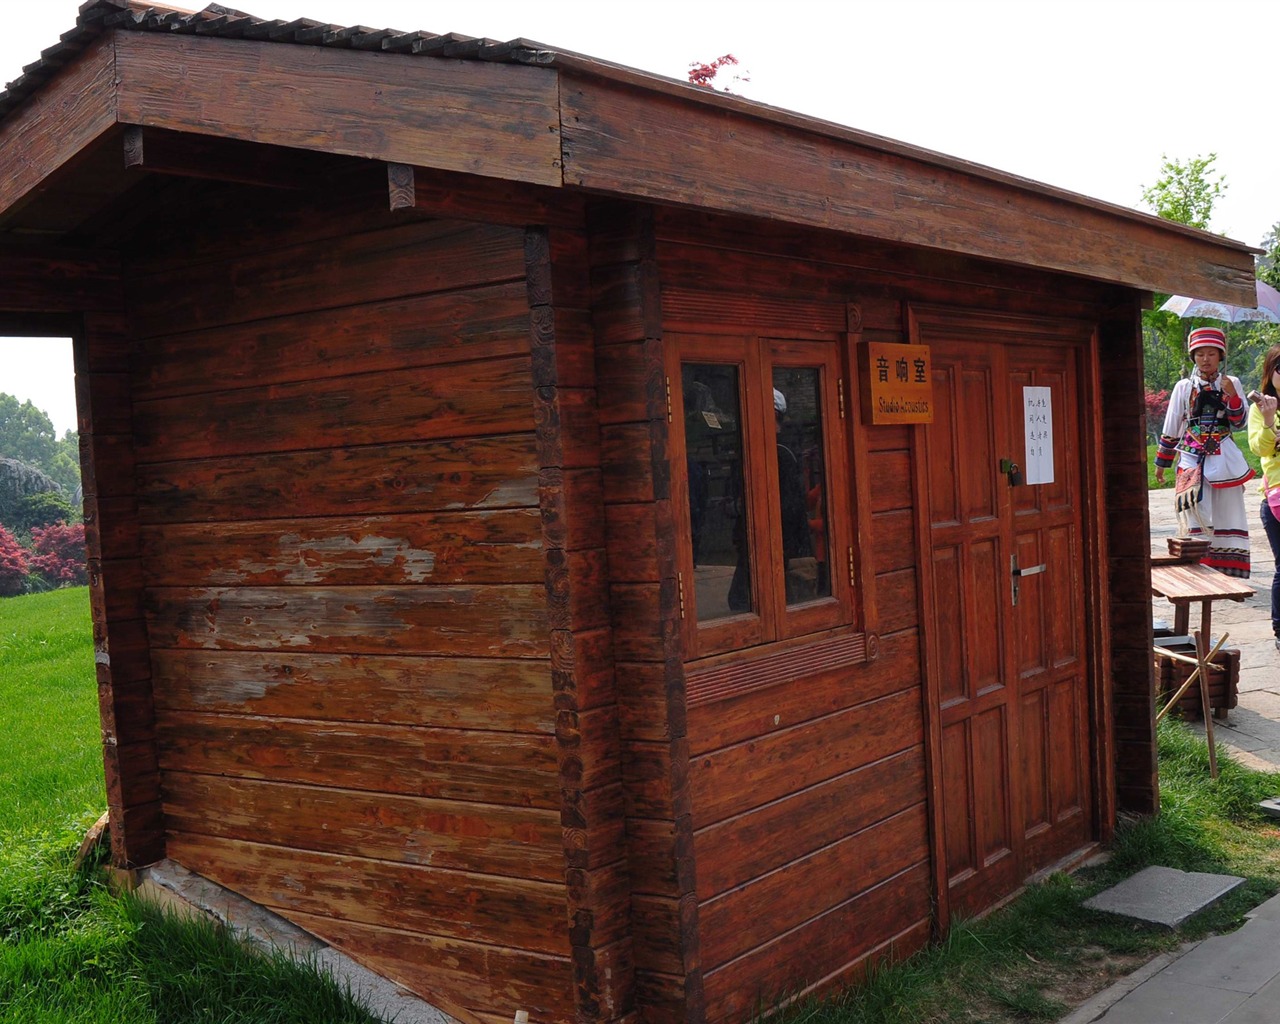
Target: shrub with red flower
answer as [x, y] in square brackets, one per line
[1155, 403]
[13, 565]
[59, 555]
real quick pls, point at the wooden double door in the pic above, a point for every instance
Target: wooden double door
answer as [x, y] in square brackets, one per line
[1010, 689]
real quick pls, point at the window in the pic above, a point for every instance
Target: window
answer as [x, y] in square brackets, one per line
[760, 480]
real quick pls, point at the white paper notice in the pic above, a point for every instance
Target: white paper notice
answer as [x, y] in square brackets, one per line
[1037, 404]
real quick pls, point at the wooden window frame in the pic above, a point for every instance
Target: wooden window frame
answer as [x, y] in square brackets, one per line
[771, 620]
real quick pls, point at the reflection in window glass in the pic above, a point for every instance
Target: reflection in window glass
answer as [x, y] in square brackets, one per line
[717, 509]
[802, 482]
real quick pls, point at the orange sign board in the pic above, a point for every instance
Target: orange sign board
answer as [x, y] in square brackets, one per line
[896, 383]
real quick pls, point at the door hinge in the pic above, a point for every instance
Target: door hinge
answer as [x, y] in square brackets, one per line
[852, 580]
[840, 394]
[680, 592]
[668, 380]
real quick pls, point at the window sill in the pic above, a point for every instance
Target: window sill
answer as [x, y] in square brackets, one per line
[745, 671]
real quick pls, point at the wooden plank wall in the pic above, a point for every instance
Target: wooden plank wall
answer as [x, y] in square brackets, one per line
[644, 614]
[808, 802]
[104, 354]
[1134, 762]
[811, 832]
[569, 453]
[346, 570]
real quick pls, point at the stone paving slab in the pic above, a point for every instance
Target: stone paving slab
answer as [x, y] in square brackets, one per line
[1164, 896]
[1251, 732]
[1165, 1001]
[1261, 1008]
[1245, 960]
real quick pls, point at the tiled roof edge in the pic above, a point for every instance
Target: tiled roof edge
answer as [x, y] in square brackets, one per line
[100, 16]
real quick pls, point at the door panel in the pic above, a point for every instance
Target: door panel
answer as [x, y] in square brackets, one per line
[957, 808]
[948, 575]
[1012, 685]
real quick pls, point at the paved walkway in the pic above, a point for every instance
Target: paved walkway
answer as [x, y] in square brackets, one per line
[1233, 978]
[1225, 979]
[1252, 730]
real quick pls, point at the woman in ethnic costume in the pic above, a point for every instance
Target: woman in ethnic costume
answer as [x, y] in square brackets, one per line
[1203, 411]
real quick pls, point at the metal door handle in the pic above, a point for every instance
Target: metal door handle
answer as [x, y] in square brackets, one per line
[1016, 575]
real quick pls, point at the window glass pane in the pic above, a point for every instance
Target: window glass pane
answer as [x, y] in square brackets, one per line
[802, 482]
[717, 509]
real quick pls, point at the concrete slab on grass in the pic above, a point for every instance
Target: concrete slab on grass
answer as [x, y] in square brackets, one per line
[1164, 895]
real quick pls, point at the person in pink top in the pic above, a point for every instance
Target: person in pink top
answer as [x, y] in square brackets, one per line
[1204, 409]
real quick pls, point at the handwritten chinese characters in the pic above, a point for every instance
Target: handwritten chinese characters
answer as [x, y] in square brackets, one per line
[1037, 405]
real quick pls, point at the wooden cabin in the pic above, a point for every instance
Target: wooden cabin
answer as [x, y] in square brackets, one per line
[576, 541]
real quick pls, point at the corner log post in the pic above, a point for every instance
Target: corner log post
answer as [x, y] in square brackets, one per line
[645, 608]
[597, 880]
[1129, 675]
[103, 358]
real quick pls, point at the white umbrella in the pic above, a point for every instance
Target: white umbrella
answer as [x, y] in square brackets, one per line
[1266, 311]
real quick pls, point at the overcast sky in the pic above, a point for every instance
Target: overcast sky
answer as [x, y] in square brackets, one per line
[1084, 95]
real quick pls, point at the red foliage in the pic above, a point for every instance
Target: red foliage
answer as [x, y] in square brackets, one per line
[13, 565]
[1156, 403]
[705, 74]
[59, 554]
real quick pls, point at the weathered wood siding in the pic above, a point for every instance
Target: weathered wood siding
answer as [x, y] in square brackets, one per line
[644, 614]
[810, 823]
[808, 798]
[345, 573]
[104, 354]
[1127, 574]
[569, 451]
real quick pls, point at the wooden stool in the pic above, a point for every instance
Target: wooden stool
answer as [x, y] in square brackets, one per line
[1224, 680]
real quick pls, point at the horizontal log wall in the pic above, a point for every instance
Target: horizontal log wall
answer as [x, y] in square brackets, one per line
[346, 591]
[808, 801]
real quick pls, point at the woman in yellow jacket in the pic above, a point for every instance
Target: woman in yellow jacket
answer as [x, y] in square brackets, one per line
[1262, 439]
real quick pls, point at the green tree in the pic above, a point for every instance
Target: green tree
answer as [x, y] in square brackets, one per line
[1268, 264]
[26, 433]
[1186, 192]
[64, 467]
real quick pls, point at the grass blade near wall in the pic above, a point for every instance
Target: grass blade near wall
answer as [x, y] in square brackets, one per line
[71, 951]
[1044, 953]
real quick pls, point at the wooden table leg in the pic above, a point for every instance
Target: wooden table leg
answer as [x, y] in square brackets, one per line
[1182, 618]
[1202, 656]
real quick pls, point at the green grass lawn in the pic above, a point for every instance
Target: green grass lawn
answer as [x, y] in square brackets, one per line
[51, 762]
[71, 952]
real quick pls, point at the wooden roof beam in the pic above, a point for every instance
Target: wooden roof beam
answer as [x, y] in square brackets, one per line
[58, 124]
[182, 154]
[494, 120]
[463, 197]
[621, 141]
